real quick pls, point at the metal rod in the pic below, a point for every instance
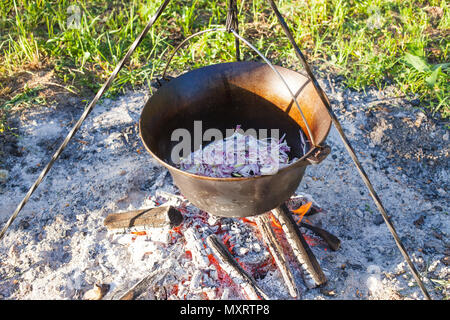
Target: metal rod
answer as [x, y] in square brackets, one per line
[350, 150]
[86, 112]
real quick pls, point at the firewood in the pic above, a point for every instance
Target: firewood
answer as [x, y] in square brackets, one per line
[234, 270]
[140, 287]
[333, 242]
[153, 217]
[276, 250]
[304, 255]
[194, 244]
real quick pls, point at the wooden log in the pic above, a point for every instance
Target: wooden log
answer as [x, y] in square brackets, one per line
[275, 248]
[140, 287]
[304, 255]
[333, 242]
[194, 244]
[153, 217]
[234, 270]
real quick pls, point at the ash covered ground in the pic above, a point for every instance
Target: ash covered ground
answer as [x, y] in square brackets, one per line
[59, 248]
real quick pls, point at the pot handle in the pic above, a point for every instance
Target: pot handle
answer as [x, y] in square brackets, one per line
[318, 154]
[164, 77]
[237, 36]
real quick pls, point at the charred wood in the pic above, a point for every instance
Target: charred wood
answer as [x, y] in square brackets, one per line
[333, 242]
[275, 248]
[154, 217]
[234, 270]
[304, 255]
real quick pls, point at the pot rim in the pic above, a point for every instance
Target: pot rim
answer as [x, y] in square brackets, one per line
[299, 162]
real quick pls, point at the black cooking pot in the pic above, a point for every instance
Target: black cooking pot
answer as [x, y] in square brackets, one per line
[222, 96]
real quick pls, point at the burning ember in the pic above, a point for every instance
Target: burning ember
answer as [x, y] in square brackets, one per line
[206, 257]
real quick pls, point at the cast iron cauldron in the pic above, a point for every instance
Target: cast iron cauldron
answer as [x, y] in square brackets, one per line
[223, 96]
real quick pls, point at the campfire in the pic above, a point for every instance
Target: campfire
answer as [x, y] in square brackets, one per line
[223, 258]
[261, 96]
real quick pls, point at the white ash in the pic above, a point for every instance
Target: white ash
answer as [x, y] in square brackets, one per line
[194, 244]
[58, 248]
[196, 277]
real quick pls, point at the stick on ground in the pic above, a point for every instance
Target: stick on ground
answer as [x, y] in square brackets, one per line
[154, 217]
[140, 287]
[234, 270]
[333, 242]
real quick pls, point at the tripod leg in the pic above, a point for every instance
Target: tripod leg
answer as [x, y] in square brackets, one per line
[350, 150]
[86, 112]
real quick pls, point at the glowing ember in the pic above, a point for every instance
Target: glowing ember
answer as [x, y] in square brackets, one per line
[312, 241]
[248, 221]
[196, 274]
[139, 233]
[222, 276]
[302, 211]
[275, 222]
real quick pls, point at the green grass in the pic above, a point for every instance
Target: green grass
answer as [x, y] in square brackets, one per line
[369, 43]
[441, 285]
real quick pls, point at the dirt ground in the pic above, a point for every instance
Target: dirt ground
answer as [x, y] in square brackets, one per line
[58, 248]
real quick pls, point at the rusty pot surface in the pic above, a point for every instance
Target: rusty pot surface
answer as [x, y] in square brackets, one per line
[222, 96]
